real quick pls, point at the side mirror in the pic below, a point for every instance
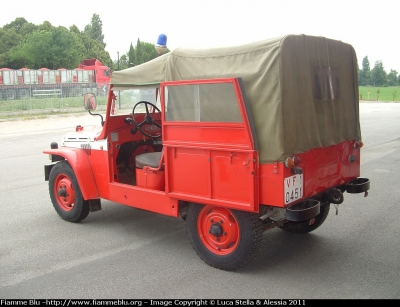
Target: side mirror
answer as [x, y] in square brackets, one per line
[89, 101]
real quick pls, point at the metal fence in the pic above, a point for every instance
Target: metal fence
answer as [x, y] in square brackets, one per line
[59, 97]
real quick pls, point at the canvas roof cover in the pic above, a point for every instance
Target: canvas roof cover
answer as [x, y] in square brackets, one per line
[302, 90]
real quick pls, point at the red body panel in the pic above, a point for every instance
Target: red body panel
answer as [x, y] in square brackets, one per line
[82, 167]
[212, 163]
[218, 177]
[147, 199]
[323, 169]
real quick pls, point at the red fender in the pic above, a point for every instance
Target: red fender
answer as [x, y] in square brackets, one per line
[82, 168]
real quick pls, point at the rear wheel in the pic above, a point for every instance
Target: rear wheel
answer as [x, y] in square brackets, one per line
[65, 193]
[224, 238]
[309, 225]
[23, 94]
[11, 94]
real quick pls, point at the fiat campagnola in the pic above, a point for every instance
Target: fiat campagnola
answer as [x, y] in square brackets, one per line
[234, 140]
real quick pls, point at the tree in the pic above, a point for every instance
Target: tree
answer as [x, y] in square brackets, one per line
[51, 49]
[9, 38]
[138, 53]
[32, 52]
[74, 29]
[28, 28]
[365, 64]
[123, 62]
[17, 24]
[364, 75]
[143, 52]
[64, 48]
[95, 30]
[392, 78]
[46, 26]
[149, 52]
[23, 44]
[378, 74]
[131, 56]
[90, 48]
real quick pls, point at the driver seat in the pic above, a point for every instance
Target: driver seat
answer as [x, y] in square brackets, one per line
[150, 159]
[150, 170]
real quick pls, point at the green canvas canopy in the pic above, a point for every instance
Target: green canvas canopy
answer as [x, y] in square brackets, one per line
[302, 90]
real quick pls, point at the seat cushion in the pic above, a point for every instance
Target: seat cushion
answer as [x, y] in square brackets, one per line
[151, 159]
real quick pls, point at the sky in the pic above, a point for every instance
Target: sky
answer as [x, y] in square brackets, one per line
[370, 26]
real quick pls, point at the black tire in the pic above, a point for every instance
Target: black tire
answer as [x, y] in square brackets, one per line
[24, 94]
[65, 193]
[11, 94]
[309, 225]
[223, 238]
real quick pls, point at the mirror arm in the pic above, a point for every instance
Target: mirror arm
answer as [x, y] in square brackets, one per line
[102, 120]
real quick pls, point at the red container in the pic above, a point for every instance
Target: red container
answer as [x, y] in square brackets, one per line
[151, 179]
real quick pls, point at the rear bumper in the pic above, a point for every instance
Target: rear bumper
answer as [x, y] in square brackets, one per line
[310, 208]
[305, 210]
[359, 185]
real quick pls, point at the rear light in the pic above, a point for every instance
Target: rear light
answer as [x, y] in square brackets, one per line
[292, 161]
[352, 158]
[358, 145]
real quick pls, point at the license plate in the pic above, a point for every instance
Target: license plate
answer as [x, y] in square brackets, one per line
[293, 188]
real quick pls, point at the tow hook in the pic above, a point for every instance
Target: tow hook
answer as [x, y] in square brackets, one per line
[337, 208]
[335, 196]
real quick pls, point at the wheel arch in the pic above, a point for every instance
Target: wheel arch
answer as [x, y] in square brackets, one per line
[81, 166]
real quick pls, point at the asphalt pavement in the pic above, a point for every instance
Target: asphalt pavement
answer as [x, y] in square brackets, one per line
[44, 122]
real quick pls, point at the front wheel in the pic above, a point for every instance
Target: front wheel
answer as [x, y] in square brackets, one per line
[223, 238]
[309, 225]
[65, 193]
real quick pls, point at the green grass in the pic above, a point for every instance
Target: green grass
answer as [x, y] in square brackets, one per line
[46, 103]
[39, 106]
[371, 93]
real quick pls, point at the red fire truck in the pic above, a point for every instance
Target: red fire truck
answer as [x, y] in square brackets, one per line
[234, 141]
[90, 76]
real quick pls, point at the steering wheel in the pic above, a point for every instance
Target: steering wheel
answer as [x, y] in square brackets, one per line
[148, 122]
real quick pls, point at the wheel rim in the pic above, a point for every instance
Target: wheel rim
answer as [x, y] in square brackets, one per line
[24, 94]
[218, 230]
[10, 95]
[64, 192]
